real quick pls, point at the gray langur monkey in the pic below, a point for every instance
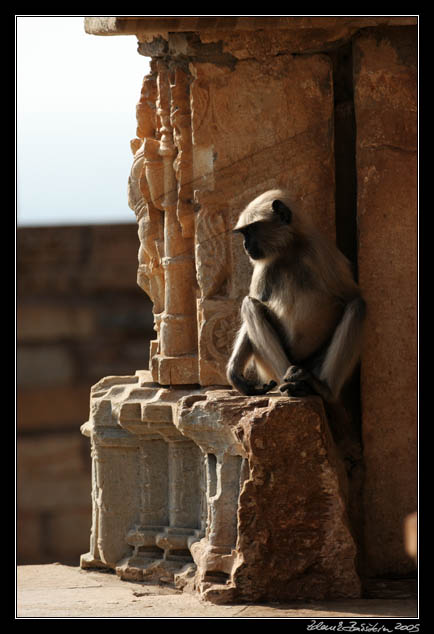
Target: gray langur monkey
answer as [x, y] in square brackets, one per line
[302, 320]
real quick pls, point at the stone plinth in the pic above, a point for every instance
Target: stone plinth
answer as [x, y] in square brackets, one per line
[238, 498]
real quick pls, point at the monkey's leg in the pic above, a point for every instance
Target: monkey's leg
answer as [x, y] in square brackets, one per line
[344, 350]
[267, 346]
[241, 355]
[269, 351]
[336, 365]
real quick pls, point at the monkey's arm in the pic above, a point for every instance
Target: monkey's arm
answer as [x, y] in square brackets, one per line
[241, 354]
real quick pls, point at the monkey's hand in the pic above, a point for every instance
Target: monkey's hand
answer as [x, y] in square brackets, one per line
[249, 388]
[297, 382]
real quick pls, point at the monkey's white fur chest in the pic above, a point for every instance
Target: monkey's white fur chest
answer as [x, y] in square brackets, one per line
[307, 317]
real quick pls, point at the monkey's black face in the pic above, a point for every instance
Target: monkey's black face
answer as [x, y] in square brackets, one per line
[270, 234]
[252, 241]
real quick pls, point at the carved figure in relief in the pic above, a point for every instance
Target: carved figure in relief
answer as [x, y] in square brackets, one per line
[302, 320]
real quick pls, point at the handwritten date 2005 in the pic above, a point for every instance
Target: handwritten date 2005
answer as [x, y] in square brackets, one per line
[353, 626]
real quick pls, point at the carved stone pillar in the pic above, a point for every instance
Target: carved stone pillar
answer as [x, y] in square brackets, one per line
[160, 194]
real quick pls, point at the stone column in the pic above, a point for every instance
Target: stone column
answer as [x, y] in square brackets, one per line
[386, 117]
[115, 463]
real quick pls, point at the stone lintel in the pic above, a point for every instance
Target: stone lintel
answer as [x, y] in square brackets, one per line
[158, 25]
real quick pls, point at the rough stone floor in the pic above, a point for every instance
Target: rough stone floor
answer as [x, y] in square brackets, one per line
[59, 591]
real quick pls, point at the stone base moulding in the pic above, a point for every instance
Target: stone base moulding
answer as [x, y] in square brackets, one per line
[236, 498]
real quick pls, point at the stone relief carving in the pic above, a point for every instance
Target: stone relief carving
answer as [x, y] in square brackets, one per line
[160, 193]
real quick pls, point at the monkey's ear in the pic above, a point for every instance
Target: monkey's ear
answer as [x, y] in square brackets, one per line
[284, 212]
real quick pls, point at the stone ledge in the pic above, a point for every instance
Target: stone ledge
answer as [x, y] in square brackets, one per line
[131, 25]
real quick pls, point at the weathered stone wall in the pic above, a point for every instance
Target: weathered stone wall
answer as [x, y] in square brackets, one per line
[325, 107]
[79, 316]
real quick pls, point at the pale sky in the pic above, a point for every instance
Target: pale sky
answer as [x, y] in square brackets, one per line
[76, 96]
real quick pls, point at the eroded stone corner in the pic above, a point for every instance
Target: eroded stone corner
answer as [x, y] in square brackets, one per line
[277, 525]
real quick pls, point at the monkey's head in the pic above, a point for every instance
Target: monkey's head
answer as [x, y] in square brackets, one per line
[268, 225]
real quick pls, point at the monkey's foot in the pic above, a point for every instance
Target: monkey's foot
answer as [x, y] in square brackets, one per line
[258, 391]
[297, 382]
[297, 388]
[248, 388]
[268, 386]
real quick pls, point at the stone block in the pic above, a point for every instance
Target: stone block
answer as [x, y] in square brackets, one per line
[292, 97]
[292, 147]
[315, 32]
[68, 534]
[49, 258]
[29, 537]
[70, 259]
[277, 525]
[386, 119]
